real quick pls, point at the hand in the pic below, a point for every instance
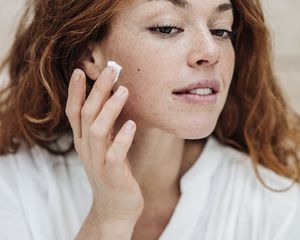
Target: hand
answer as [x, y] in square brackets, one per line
[116, 193]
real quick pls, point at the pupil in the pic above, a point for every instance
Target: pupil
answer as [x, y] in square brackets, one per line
[219, 32]
[165, 29]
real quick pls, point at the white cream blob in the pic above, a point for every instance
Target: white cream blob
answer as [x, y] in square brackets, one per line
[117, 68]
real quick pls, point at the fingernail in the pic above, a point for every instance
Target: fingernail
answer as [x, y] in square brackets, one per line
[120, 91]
[116, 67]
[76, 75]
[108, 70]
[129, 125]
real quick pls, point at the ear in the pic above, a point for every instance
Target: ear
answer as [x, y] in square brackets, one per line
[93, 62]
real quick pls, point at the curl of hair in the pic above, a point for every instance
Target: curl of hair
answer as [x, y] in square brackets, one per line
[256, 119]
[51, 39]
[49, 42]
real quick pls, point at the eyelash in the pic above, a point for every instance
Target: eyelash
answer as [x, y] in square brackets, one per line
[229, 34]
[216, 32]
[157, 27]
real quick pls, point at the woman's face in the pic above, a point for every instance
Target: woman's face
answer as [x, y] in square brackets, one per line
[166, 45]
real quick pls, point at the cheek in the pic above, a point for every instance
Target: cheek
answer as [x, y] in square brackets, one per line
[144, 68]
[227, 65]
[231, 62]
[143, 76]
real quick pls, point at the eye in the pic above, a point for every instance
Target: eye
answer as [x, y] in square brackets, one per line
[165, 30]
[222, 33]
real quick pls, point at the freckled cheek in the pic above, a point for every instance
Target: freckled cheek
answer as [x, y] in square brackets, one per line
[139, 81]
[145, 89]
[144, 74]
[144, 69]
[227, 67]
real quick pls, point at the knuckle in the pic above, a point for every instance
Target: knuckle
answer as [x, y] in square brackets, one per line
[111, 157]
[110, 107]
[86, 113]
[77, 145]
[71, 113]
[96, 132]
[68, 113]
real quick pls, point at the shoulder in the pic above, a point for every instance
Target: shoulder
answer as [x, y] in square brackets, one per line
[26, 161]
[279, 211]
[242, 162]
[17, 168]
[42, 194]
[32, 167]
[18, 172]
[34, 160]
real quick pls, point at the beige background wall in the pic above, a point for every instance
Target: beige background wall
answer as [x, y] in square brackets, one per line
[284, 20]
[282, 16]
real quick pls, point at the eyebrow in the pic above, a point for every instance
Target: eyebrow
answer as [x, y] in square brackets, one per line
[177, 3]
[224, 7]
[185, 4]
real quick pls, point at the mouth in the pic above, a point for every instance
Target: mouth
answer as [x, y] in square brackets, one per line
[205, 87]
[201, 92]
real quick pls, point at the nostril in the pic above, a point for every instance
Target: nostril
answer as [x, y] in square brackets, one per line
[203, 61]
[200, 62]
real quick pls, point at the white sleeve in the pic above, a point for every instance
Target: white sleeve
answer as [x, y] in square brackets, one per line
[12, 222]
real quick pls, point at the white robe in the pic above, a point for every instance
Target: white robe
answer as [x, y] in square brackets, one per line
[45, 197]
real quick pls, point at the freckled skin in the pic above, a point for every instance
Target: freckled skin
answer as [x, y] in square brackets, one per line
[170, 63]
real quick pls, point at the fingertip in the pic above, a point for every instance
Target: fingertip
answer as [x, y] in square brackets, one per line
[77, 75]
[77, 86]
[130, 125]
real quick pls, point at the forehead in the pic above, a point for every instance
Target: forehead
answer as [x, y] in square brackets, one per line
[211, 7]
[185, 4]
[177, 3]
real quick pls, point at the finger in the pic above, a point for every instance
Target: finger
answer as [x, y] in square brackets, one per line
[103, 124]
[117, 152]
[75, 101]
[96, 99]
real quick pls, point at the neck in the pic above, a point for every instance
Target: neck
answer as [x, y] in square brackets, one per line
[158, 161]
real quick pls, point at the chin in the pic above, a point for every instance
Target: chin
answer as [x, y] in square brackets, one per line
[196, 131]
[198, 134]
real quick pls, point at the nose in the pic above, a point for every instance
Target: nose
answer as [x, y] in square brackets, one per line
[204, 49]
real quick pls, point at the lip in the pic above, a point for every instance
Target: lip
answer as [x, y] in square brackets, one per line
[212, 84]
[196, 99]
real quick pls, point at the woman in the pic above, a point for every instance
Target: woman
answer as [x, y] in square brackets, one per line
[194, 140]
